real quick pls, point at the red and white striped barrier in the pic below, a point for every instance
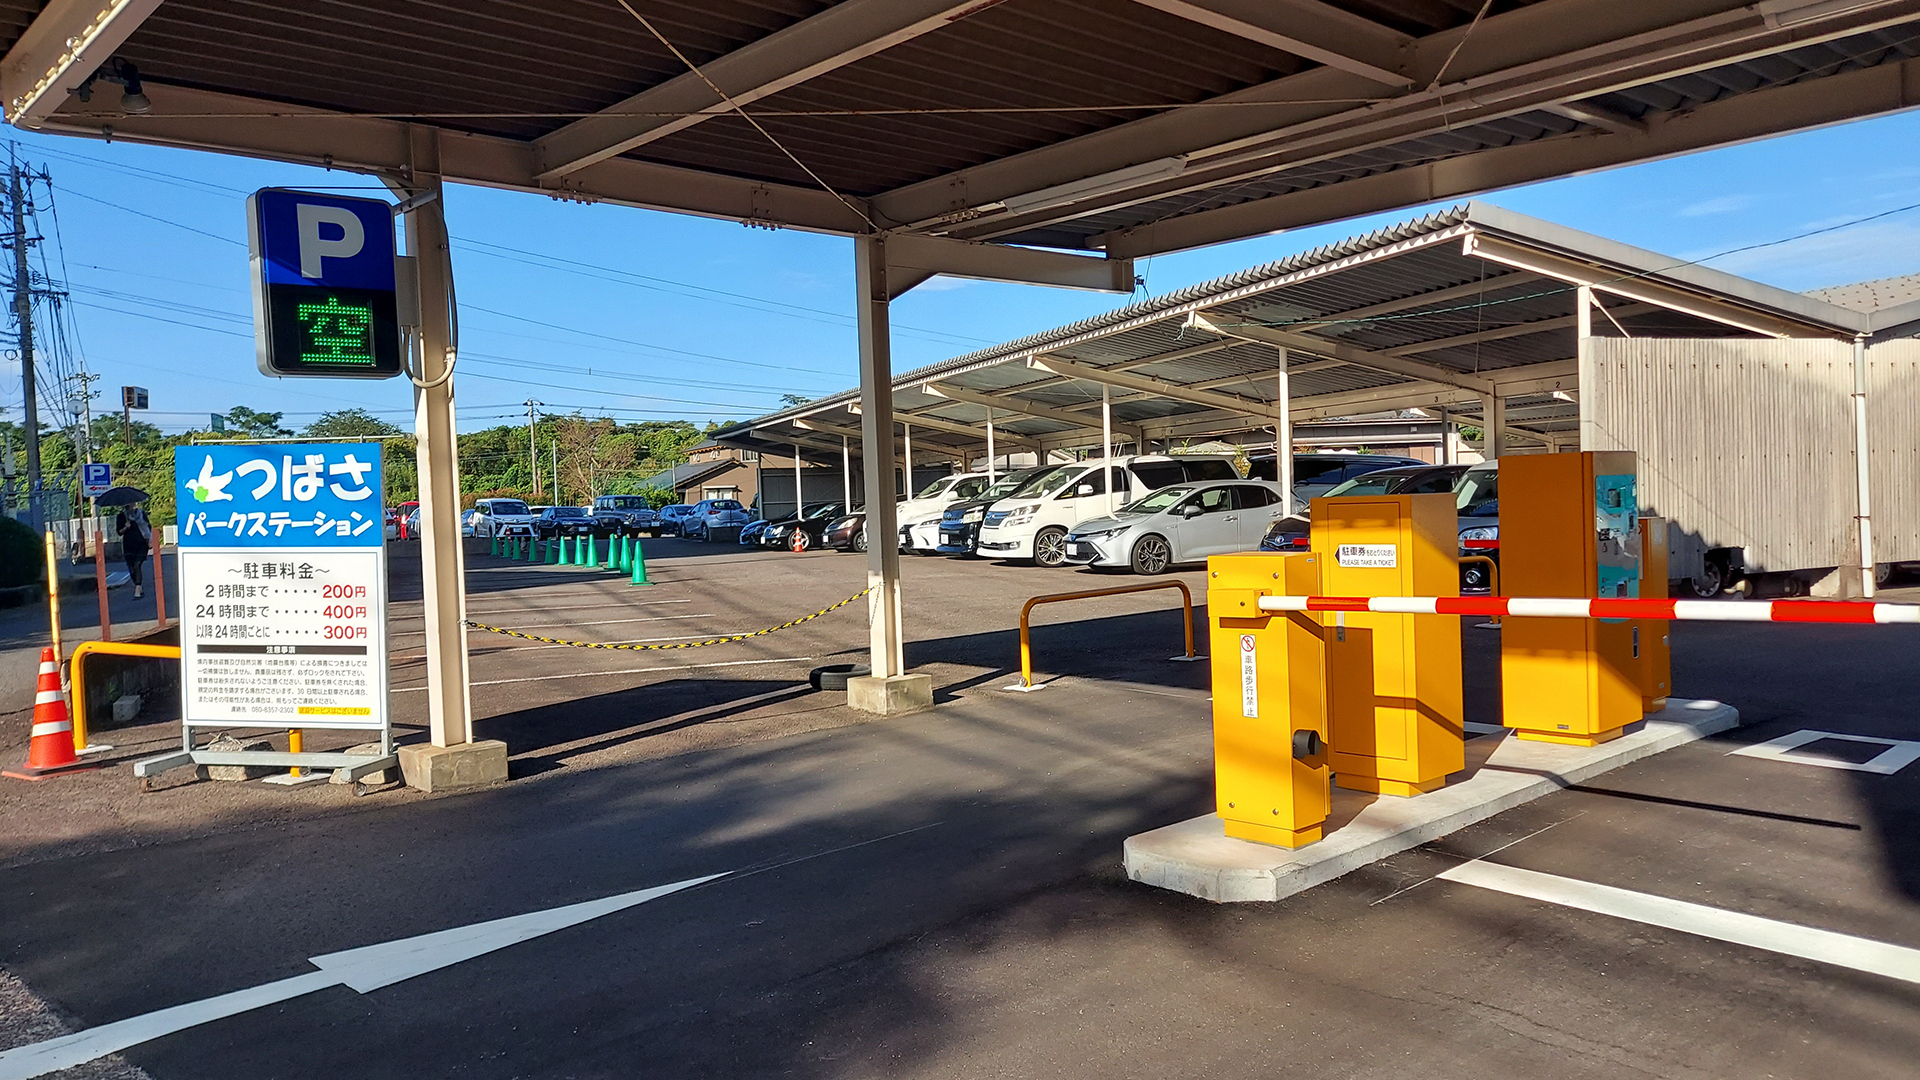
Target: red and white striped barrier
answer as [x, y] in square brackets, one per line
[1788, 611]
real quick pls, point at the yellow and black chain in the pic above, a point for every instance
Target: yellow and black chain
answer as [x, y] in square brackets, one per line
[677, 645]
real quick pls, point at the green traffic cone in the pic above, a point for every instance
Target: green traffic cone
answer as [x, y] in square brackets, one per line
[496, 544]
[626, 556]
[553, 552]
[593, 553]
[639, 566]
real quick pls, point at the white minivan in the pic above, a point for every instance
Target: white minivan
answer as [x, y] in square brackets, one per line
[919, 517]
[1034, 526]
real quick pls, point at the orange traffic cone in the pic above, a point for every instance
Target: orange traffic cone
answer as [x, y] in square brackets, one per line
[51, 750]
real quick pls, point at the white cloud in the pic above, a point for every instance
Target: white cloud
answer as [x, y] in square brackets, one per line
[1725, 204]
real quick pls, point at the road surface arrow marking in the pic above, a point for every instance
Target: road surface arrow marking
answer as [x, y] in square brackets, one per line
[364, 969]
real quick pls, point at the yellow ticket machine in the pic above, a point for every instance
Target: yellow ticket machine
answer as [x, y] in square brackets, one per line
[1569, 527]
[1652, 642]
[1269, 707]
[1393, 681]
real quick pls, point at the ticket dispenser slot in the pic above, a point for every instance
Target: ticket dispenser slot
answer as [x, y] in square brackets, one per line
[1569, 527]
[1269, 707]
[1393, 681]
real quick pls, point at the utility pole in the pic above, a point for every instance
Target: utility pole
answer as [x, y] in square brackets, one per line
[533, 448]
[554, 446]
[23, 312]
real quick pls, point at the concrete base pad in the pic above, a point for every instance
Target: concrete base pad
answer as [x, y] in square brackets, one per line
[891, 696]
[451, 768]
[1196, 857]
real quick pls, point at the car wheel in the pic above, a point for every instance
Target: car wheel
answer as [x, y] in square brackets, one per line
[860, 541]
[1152, 555]
[1050, 547]
[799, 541]
[1711, 582]
[1882, 573]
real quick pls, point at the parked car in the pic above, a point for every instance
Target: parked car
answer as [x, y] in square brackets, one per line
[502, 517]
[1184, 523]
[1478, 500]
[671, 518]
[1292, 533]
[1316, 474]
[750, 532]
[556, 521]
[960, 522]
[407, 519]
[804, 533]
[391, 527]
[919, 517]
[847, 532]
[1034, 526]
[624, 515]
[710, 514]
[468, 518]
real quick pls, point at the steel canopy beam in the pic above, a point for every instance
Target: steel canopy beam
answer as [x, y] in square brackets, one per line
[952, 428]
[843, 34]
[205, 120]
[1351, 354]
[1850, 95]
[916, 258]
[1309, 29]
[1025, 408]
[64, 44]
[1147, 384]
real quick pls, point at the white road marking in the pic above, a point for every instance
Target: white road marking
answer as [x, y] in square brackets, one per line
[1808, 943]
[619, 671]
[1899, 754]
[364, 970]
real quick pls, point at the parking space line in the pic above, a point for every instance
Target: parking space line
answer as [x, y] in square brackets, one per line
[1808, 943]
[617, 671]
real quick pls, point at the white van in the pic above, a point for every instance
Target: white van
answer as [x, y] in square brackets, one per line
[1034, 526]
[919, 517]
[502, 517]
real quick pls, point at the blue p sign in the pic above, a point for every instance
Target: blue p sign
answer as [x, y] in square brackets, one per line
[323, 279]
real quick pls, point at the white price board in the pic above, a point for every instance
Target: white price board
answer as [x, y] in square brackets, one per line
[283, 579]
[295, 639]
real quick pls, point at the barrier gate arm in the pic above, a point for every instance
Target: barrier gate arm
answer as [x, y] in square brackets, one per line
[1857, 612]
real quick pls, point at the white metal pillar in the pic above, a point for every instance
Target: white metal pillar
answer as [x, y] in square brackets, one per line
[442, 563]
[1283, 434]
[885, 634]
[846, 476]
[1583, 331]
[906, 430]
[990, 451]
[1862, 466]
[799, 499]
[1493, 426]
[1106, 443]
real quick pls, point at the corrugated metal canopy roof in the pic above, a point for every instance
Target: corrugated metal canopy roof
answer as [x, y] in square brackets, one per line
[1123, 127]
[1432, 313]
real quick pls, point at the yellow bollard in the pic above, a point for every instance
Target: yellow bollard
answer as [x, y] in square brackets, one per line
[295, 740]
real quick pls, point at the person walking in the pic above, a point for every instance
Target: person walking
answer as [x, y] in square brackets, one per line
[136, 538]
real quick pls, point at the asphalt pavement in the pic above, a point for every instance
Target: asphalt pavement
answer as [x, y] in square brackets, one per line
[939, 895]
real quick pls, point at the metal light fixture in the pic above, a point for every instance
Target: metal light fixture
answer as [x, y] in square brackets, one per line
[133, 100]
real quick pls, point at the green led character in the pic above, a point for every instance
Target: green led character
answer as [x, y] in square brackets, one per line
[337, 333]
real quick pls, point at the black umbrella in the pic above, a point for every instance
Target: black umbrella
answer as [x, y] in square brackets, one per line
[123, 496]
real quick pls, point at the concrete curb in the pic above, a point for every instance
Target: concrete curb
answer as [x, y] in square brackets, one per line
[1196, 856]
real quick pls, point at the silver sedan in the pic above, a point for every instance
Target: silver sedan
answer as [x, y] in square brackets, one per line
[1184, 523]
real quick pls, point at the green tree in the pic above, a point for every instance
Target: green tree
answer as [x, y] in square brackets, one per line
[348, 424]
[245, 423]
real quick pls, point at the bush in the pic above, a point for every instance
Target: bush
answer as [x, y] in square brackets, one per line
[22, 555]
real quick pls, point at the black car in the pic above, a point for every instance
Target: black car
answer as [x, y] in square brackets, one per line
[1316, 474]
[624, 515]
[562, 521]
[847, 532]
[1292, 533]
[960, 523]
[805, 533]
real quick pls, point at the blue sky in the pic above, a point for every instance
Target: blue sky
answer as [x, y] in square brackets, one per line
[641, 315]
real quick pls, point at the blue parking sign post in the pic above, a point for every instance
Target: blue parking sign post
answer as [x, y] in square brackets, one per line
[95, 478]
[283, 600]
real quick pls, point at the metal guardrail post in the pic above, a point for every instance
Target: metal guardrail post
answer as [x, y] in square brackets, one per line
[1026, 647]
[78, 688]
